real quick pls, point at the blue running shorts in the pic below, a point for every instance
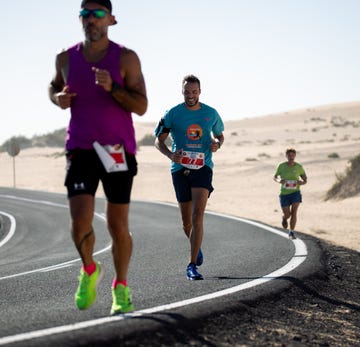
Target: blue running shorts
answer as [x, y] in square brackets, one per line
[289, 199]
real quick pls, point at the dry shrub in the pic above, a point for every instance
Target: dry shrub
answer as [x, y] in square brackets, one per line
[348, 184]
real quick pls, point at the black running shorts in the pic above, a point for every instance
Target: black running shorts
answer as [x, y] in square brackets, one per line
[85, 170]
[185, 179]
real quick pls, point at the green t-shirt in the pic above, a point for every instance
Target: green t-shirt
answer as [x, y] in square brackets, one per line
[291, 175]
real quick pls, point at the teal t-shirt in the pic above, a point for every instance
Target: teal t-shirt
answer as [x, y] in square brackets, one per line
[191, 130]
[291, 175]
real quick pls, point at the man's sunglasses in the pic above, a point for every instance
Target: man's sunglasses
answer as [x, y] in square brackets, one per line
[98, 13]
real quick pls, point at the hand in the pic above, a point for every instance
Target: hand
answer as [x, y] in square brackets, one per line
[214, 146]
[103, 78]
[176, 156]
[64, 98]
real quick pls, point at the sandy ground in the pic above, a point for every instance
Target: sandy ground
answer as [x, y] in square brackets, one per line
[244, 168]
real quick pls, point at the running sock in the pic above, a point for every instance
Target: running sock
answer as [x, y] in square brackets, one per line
[116, 282]
[90, 269]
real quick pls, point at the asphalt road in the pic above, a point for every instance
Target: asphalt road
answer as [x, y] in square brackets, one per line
[39, 268]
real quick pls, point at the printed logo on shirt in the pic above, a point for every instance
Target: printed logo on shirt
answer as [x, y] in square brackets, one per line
[194, 132]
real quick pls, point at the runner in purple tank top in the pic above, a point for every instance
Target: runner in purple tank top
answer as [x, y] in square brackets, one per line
[102, 84]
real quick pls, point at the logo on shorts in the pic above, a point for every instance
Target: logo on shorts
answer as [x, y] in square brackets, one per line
[79, 186]
[194, 132]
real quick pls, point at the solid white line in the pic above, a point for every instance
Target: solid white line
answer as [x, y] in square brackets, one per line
[51, 267]
[12, 228]
[298, 258]
[56, 267]
[44, 202]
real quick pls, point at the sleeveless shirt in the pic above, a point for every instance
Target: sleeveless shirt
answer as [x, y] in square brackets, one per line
[95, 114]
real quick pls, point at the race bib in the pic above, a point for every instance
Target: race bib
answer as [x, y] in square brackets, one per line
[112, 157]
[290, 184]
[192, 160]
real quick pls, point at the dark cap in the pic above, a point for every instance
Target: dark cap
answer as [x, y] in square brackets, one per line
[105, 3]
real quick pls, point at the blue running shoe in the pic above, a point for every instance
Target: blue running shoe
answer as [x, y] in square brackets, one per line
[292, 235]
[192, 274]
[200, 258]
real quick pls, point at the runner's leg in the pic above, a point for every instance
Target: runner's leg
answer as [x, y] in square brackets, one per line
[286, 212]
[199, 200]
[185, 210]
[118, 225]
[82, 212]
[293, 219]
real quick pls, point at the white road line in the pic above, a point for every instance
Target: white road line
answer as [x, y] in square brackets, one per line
[44, 202]
[12, 232]
[53, 267]
[56, 267]
[298, 258]
[12, 228]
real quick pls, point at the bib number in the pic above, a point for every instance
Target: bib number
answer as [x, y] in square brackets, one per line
[192, 160]
[290, 184]
[112, 157]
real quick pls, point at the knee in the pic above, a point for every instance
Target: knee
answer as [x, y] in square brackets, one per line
[118, 230]
[80, 226]
[117, 227]
[293, 215]
[187, 228]
[293, 212]
[197, 217]
[287, 215]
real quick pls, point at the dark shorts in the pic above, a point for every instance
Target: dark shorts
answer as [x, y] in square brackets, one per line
[185, 179]
[289, 199]
[85, 170]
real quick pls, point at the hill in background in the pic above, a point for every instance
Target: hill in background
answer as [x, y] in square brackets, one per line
[56, 139]
[53, 139]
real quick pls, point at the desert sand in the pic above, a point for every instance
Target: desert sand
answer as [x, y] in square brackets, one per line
[325, 138]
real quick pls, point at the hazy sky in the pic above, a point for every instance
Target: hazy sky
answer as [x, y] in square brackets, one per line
[253, 57]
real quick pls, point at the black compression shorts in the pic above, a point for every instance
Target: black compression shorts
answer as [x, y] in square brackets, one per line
[85, 170]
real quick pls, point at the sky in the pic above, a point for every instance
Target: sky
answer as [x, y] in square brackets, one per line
[253, 57]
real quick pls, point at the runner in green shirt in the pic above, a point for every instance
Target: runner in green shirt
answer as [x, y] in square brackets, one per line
[291, 175]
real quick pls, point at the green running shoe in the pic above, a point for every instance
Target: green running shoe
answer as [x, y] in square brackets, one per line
[86, 293]
[121, 300]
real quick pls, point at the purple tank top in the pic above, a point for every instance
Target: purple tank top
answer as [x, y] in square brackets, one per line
[95, 115]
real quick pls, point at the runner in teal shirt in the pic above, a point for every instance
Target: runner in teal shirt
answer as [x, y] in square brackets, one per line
[196, 131]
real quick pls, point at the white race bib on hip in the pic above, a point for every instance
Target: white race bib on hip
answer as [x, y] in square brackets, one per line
[192, 160]
[112, 157]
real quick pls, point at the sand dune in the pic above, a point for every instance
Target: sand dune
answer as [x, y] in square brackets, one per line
[326, 137]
